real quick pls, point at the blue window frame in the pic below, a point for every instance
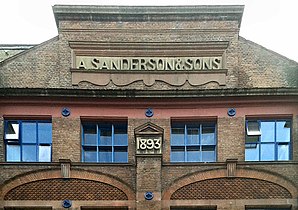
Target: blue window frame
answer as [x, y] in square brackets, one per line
[193, 142]
[104, 142]
[268, 140]
[28, 140]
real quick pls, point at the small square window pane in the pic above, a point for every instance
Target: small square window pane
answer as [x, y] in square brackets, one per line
[177, 136]
[120, 155]
[13, 152]
[193, 154]
[29, 132]
[90, 154]
[253, 128]
[208, 154]
[252, 152]
[283, 131]
[105, 154]
[252, 139]
[208, 135]
[90, 134]
[12, 130]
[45, 133]
[193, 136]
[44, 153]
[268, 130]
[283, 152]
[267, 152]
[177, 154]
[120, 135]
[29, 153]
[105, 136]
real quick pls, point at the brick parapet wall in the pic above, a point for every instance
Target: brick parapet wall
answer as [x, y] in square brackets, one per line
[260, 67]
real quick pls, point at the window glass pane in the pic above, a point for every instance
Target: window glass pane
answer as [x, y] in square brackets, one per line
[283, 131]
[29, 153]
[105, 154]
[45, 133]
[177, 154]
[193, 154]
[90, 154]
[44, 153]
[120, 155]
[208, 135]
[267, 152]
[29, 132]
[283, 152]
[105, 135]
[13, 152]
[253, 128]
[90, 134]
[12, 130]
[208, 153]
[120, 135]
[252, 152]
[252, 139]
[193, 136]
[177, 136]
[267, 130]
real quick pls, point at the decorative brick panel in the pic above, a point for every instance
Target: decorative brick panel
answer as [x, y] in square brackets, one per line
[60, 189]
[231, 188]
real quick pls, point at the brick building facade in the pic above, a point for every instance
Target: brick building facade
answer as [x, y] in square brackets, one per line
[148, 108]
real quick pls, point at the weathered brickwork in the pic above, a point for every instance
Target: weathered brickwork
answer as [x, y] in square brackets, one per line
[66, 139]
[231, 138]
[60, 189]
[260, 67]
[230, 188]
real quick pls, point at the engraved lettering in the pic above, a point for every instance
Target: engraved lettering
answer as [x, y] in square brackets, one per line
[149, 63]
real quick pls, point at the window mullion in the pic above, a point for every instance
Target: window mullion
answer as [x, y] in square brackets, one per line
[97, 143]
[112, 143]
[185, 143]
[21, 139]
[37, 143]
[200, 143]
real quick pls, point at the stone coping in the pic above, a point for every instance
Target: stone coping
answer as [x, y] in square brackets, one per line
[147, 13]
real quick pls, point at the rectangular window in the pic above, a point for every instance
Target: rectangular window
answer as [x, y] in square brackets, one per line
[105, 142]
[28, 140]
[193, 142]
[268, 140]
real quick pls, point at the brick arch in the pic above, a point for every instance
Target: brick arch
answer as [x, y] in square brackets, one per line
[221, 174]
[60, 189]
[75, 174]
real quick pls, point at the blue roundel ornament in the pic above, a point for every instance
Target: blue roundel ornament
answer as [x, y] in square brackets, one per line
[148, 196]
[65, 112]
[149, 112]
[66, 203]
[231, 112]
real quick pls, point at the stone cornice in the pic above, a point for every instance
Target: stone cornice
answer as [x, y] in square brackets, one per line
[199, 93]
[147, 13]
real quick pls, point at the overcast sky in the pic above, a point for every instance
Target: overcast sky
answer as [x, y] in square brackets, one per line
[270, 23]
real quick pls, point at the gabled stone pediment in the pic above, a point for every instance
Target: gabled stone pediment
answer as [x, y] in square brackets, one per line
[148, 129]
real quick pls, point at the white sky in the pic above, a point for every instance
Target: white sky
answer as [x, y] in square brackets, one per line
[270, 23]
